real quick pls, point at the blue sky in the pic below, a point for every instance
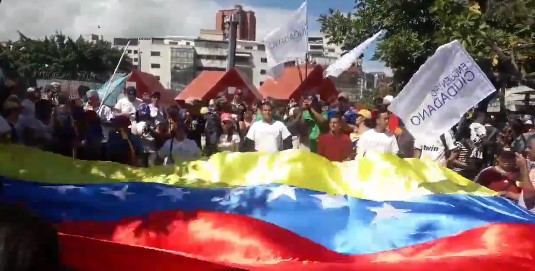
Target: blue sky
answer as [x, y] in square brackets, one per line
[315, 9]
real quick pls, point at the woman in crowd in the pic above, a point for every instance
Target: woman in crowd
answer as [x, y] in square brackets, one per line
[229, 139]
[179, 148]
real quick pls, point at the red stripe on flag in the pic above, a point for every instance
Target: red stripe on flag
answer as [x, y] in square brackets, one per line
[217, 241]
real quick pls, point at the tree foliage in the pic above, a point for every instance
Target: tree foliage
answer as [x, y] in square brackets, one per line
[59, 54]
[499, 34]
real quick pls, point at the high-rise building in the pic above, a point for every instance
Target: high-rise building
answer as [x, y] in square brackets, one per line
[246, 28]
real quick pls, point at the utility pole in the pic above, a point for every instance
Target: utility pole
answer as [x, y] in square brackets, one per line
[233, 21]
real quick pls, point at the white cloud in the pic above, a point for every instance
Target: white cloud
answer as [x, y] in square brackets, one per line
[123, 18]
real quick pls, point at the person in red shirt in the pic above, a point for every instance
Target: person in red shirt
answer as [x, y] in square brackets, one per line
[335, 145]
[502, 178]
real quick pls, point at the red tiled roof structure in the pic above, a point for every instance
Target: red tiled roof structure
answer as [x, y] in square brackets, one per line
[295, 82]
[210, 84]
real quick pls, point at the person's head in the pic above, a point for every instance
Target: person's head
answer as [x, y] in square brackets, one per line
[506, 159]
[155, 98]
[131, 93]
[173, 112]
[33, 94]
[382, 119]
[335, 123]
[248, 115]
[517, 127]
[480, 116]
[267, 111]
[93, 98]
[27, 242]
[48, 93]
[12, 108]
[463, 133]
[43, 110]
[528, 124]
[343, 101]
[227, 123]
[531, 148]
[56, 87]
[387, 100]
[378, 102]
[143, 112]
[364, 117]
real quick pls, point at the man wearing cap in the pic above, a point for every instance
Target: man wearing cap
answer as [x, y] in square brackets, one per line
[393, 121]
[344, 109]
[156, 109]
[314, 120]
[128, 105]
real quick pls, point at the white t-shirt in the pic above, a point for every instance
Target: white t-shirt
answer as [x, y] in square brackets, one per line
[231, 146]
[477, 131]
[436, 151]
[125, 106]
[373, 141]
[147, 140]
[157, 113]
[105, 114]
[268, 137]
[185, 150]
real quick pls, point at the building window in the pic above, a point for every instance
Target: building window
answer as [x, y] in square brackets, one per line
[154, 53]
[136, 59]
[262, 72]
[173, 43]
[129, 51]
[187, 43]
[261, 82]
[331, 50]
[261, 47]
[316, 47]
[135, 51]
[155, 66]
[248, 47]
[263, 60]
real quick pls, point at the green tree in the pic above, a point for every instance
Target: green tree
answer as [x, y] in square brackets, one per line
[59, 54]
[500, 35]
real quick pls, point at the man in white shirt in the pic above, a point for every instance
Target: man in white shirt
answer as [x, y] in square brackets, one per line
[268, 135]
[442, 150]
[128, 105]
[378, 140]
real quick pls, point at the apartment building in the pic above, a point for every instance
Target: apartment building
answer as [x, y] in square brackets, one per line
[177, 60]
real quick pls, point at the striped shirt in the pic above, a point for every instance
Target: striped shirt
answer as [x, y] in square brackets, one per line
[464, 155]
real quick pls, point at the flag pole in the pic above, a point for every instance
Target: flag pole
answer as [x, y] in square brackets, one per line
[108, 93]
[306, 52]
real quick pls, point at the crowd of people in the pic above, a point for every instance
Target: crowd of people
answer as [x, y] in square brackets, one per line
[142, 133]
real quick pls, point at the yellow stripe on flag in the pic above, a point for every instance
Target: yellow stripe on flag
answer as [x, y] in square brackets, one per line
[378, 178]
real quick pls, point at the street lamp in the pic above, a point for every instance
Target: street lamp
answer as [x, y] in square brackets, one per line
[233, 21]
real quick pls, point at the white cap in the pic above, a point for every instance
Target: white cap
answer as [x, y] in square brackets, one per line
[388, 99]
[30, 90]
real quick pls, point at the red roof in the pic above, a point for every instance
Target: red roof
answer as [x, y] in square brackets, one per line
[147, 83]
[210, 84]
[295, 82]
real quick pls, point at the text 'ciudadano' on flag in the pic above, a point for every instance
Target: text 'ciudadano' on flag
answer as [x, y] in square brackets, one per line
[445, 87]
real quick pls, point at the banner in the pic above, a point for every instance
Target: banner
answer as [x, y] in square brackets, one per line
[345, 62]
[447, 85]
[109, 93]
[288, 42]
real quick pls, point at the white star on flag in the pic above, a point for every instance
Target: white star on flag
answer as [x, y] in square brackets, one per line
[232, 194]
[387, 212]
[63, 189]
[283, 190]
[121, 194]
[331, 201]
[175, 194]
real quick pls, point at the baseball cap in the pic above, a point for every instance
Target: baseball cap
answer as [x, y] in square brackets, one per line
[343, 95]
[204, 111]
[365, 113]
[30, 89]
[131, 91]
[388, 99]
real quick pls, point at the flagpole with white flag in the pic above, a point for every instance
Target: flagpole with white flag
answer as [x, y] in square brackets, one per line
[343, 63]
[287, 42]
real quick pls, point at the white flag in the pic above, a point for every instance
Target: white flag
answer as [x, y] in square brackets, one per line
[446, 86]
[288, 42]
[345, 62]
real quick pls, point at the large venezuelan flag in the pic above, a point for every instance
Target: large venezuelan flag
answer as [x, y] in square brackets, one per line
[291, 211]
